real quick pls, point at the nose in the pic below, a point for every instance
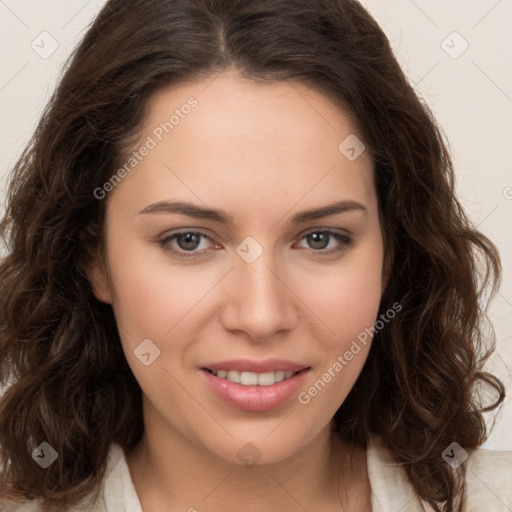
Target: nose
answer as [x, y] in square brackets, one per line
[258, 300]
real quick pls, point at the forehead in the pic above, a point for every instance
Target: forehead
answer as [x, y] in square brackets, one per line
[227, 137]
[285, 115]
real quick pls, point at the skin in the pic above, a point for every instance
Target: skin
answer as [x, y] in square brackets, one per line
[262, 153]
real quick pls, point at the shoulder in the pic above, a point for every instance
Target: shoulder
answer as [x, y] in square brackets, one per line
[482, 459]
[489, 480]
[90, 503]
[9, 505]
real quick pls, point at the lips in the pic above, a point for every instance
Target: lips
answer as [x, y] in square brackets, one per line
[251, 394]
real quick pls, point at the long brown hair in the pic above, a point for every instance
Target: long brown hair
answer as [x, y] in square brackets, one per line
[67, 381]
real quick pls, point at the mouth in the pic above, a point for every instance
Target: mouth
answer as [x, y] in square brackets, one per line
[254, 391]
[253, 378]
[256, 386]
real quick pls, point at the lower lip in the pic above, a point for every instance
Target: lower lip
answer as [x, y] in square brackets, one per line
[255, 398]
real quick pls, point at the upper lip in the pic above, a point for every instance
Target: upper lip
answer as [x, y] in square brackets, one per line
[251, 365]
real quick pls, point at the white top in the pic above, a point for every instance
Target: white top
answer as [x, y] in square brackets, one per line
[489, 484]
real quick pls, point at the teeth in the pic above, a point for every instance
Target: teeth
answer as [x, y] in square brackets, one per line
[280, 375]
[253, 379]
[249, 379]
[233, 376]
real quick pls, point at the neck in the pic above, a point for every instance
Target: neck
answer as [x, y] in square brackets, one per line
[171, 469]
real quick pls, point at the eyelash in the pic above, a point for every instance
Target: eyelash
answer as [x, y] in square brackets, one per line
[344, 239]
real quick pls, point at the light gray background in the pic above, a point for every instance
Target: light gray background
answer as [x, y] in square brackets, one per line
[470, 92]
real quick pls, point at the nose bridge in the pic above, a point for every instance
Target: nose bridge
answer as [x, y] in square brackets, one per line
[260, 303]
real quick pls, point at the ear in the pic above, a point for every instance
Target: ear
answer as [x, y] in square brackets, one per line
[99, 278]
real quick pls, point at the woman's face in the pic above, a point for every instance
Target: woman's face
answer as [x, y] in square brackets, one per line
[260, 282]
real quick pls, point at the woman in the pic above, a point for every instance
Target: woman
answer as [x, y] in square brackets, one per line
[239, 277]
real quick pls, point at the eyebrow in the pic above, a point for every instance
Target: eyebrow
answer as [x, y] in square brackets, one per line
[192, 210]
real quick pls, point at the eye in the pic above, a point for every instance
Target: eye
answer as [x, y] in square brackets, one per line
[187, 241]
[319, 239]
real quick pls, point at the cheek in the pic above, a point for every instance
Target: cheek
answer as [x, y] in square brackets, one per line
[348, 298]
[150, 295]
[350, 313]
[155, 301]
[348, 303]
